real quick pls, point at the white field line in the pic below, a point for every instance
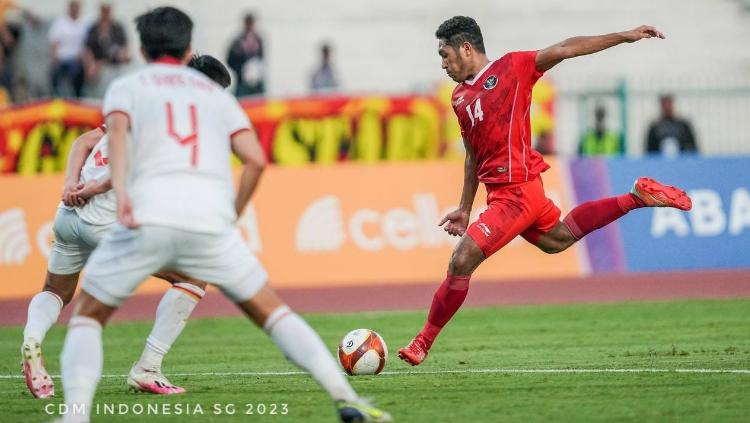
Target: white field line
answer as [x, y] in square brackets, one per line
[458, 371]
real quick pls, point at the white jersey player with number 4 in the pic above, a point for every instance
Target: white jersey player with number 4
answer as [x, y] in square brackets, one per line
[86, 212]
[177, 210]
[179, 182]
[181, 123]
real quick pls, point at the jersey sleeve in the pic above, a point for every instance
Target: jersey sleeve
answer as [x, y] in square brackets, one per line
[236, 119]
[524, 65]
[118, 98]
[456, 108]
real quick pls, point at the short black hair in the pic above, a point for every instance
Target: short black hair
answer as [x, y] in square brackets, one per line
[212, 68]
[460, 29]
[165, 31]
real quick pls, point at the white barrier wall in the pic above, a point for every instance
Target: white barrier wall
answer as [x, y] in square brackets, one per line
[389, 46]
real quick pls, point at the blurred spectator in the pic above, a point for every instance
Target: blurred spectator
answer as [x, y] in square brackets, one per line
[324, 79]
[67, 36]
[8, 35]
[670, 135]
[245, 58]
[105, 51]
[31, 61]
[600, 141]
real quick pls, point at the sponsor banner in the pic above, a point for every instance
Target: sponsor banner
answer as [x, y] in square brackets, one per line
[715, 234]
[332, 129]
[315, 226]
[36, 138]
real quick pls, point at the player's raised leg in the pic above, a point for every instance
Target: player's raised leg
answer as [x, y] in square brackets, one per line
[44, 310]
[592, 215]
[302, 345]
[67, 257]
[172, 314]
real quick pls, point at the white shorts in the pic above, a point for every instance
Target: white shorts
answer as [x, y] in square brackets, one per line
[74, 241]
[126, 257]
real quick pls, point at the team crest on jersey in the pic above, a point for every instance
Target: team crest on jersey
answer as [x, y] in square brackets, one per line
[490, 82]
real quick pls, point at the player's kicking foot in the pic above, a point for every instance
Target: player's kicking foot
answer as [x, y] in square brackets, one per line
[361, 411]
[656, 194]
[39, 382]
[415, 352]
[155, 382]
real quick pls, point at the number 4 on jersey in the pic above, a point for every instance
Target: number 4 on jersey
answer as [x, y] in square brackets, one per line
[478, 113]
[189, 140]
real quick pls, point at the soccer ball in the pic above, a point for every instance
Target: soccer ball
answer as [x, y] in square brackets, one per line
[363, 352]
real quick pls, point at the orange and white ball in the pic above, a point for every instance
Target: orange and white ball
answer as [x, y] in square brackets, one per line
[363, 352]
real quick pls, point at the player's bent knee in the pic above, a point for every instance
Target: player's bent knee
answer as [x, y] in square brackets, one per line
[554, 247]
[464, 260]
[88, 306]
[551, 249]
[64, 286]
[260, 307]
[200, 284]
[175, 278]
[555, 241]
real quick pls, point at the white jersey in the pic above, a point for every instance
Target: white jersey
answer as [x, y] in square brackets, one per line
[179, 168]
[100, 209]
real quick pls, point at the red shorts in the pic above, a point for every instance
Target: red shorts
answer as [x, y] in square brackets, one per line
[514, 209]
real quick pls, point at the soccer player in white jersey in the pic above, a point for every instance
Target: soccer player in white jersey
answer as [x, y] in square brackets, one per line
[176, 209]
[86, 212]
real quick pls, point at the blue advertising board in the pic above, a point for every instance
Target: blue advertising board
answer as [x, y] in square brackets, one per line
[714, 234]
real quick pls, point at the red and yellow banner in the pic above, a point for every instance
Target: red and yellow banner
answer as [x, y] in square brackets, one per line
[367, 129]
[351, 224]
[36, 138]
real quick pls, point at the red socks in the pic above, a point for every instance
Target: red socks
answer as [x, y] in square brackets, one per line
[593, 215]
[446, 301]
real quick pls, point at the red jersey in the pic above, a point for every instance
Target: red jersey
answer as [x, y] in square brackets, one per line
[493, 111]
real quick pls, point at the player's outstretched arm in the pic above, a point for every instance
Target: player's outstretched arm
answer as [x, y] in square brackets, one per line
[117, 128]
[247, 148]
[80, 150]
[581, 46]
[458, 220]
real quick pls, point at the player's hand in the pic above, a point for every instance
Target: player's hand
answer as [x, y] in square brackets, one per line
[69, 197]
[643, 31]
[455, 222]
[88, 190]
[125, 211]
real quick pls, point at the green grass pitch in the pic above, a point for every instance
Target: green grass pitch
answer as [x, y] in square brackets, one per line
[663, 336]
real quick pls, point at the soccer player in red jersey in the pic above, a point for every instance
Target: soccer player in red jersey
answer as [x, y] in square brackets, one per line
[492, 102]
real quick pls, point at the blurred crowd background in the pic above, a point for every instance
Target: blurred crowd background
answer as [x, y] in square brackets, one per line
[350, 98]
[689, 94]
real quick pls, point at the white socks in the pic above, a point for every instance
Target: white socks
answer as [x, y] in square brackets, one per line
[171, 316]
[81, 366]
[44, 309]
[302, 345]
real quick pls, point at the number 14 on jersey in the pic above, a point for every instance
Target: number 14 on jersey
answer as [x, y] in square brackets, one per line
[478, 115]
